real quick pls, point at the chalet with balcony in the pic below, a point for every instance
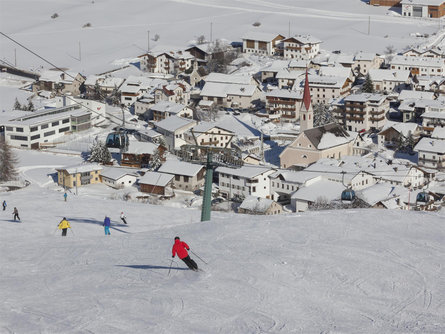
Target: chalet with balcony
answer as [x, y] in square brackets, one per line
[139, 154]
[156, 183]
[177, 92]
[301, 47]
[418, 66]
[187, 176]
[390, 80]
[364, 61]
[164, 109]
[324, 89]
[432, 120]
[362, 112]
[173, 129]
[209, 134]
[284, 105]
[391, 135]
[260, 206]
[431, 153]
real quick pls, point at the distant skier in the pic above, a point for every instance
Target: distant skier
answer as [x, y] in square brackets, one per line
[4, 205]
[181, 248]
[16, 214]
[65, 195]
[123, 218]
[106, 225]
[64, 225]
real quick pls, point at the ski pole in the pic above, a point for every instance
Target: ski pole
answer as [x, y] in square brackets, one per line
[171, 263]
[72, 231]
[55, 230]
[198, 256]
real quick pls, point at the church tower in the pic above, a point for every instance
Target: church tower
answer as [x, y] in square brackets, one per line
[306, 111]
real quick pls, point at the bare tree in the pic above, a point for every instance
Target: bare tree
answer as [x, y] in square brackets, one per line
[389, 53]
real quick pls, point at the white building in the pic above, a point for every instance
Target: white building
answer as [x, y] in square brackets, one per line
[301, 47]
[390, 80]
[320, 191]
[118, 178]
[423, 8]
[244, 181]
[431, 153]
[135, 86]
[173, 129]
[32, 129]
[209, 134]
[98, 109]
[364, 61]
[283, 183]
[262, 43]
[418, 66]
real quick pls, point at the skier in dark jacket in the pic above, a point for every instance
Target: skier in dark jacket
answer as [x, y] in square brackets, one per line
[181, 248]
[16, 214]
[106, 225]
[4, 205]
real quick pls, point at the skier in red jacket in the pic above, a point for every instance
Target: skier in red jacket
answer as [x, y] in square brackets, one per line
[181, 248]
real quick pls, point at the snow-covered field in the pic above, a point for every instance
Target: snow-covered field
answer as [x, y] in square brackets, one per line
[119, 28]
[357, 271]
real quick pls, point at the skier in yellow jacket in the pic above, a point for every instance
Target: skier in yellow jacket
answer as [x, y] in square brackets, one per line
[64, 225]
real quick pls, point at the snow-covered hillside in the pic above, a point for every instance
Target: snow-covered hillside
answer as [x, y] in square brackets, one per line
[358, 271]
[119, 28]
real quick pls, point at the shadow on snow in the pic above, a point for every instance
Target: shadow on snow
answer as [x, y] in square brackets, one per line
[143, 266]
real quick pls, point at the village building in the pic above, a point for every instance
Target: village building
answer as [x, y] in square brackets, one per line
[245, 181]
[423, 8]
[259, 206]
[283, 183]
[142, 106]
[432, 52]
[262, 43]
[231, 91]
[327, 141]
[364, 61]
[118, 178]
[166, 62]
[390, 80]
[36, 129]
[301, 47]
[201, 52]
[176, 92]
[251, 159]
[136, 86]
[386, 196]
[432, 120]
[98, 109]
[269, 72]
[287, 78]
[209, 134]
[139, 154]
[284, 105]
[362, 112]
[99, 87]
[78, 175]
[322, 191]
[418, 66]
[390, 3]
[188, 176]
[392, 134]
[156, 183]
[173, 129]
[429, 83]
[324, 89]
[164, 109]
[59, 82]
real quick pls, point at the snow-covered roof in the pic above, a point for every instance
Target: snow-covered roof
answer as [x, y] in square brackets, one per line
[246, 171]
[174, 123]
[115, 173]
[389, 75]
[58, 76]
[364, 56]
[286, 93]
[304, 39]
[431, 145]
[275, 66]
[260, 36]
[380, 192]
[207, 126]
[335, 71]
[433, 114]
[239, 127]
[288, 74]
[438, 133]
[325, 189]
[326, 81]
[229, 78]
[402, 128]
[329, 135]
[156, 179]
[294, 177]
[365, 97]
[141, 147]
[422, 2]
[177, 167]
[417, 61]
[414, 94]
[256, 204]
[216, 89]
[83, 168]
[167, 106]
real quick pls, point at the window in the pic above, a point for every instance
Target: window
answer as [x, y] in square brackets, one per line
[64, 129]
[49, 133]
[186, 179]
[24, 138]
[34, 128]
[35, 137]
[19, 129]
[66, 121]
[55, 123]
[177, 178]
[253, 189]
[44, 126]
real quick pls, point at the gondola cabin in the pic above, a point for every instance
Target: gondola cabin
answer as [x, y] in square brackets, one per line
[348, 196]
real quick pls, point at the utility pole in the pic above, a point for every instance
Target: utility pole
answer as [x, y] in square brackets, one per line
[148, 41]
[289, 29]
[211, 31]
[80, 53]
[15, 57]
[369, 25]
[207, 198]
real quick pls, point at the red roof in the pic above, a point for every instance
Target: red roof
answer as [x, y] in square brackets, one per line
[306, 93]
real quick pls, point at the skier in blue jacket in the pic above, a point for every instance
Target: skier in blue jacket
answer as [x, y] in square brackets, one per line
[106, 225]
[4, 205]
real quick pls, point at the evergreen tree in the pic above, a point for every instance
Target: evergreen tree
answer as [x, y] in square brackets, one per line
[322, 115]
[100, 153]
[30, 106]
[400, 142]
[8, 161]
[409, 143]
[17, 105]
[367, 86]
[157, 158]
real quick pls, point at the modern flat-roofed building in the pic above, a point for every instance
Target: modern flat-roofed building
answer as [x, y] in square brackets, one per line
[32, 129]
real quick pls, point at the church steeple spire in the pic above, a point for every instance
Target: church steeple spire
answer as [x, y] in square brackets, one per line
[306, 111]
